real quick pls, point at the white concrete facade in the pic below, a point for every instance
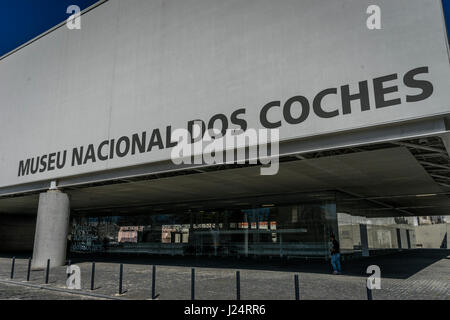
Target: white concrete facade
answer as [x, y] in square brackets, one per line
[149, 65]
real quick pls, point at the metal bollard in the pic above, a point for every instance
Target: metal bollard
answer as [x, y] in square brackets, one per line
[93, 276]
[154, 283]
[29, 269]
[297, 290]
[238, 285]
[69, 263]
[120, 279]
[47, 271]
[193, 284]
[12, 267]
[369, 294]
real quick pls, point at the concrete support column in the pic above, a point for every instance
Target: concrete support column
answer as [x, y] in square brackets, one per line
[52, 228]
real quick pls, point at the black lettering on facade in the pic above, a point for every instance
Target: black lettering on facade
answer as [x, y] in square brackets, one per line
[34, 165]
[196, 123]
[51, 162]
[111, 149]
[77, 156]
[139, 143]
[380, 91]
[90, 154]
[224, 125]
[242, 123]
[43, 164]
[169, 143]
[425, 86]
[100, 155]
[305, 109]
[24, 168]
[362, 96]
[60, 163]
[318, 108]
[123, 141]
[155, 141]
[263, 115]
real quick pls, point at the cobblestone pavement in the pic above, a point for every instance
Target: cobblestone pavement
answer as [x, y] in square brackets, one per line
[13, 292]
[418, 274]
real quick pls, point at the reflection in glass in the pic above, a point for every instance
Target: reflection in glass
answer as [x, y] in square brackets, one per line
[289, 230]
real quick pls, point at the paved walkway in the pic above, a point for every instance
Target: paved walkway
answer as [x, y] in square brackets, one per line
[418, 274]
[14, 292]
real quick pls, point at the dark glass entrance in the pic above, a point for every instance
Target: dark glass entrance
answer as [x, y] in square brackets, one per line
[281, 230]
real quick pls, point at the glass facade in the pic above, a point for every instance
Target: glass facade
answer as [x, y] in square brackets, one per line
[382, 233]
[294, 225]
[363, 224]
[285, 230]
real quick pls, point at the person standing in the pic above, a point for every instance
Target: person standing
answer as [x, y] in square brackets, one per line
[335, 255]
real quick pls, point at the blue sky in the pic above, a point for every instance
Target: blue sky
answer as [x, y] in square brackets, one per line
[447, 15]
[22, 20]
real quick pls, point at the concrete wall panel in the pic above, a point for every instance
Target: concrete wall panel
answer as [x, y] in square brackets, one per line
[432, 236]
[142, 65]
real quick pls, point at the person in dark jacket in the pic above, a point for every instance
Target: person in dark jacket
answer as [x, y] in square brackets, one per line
[335, 255]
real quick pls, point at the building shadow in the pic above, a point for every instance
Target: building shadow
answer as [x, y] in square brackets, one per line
[397, 264]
